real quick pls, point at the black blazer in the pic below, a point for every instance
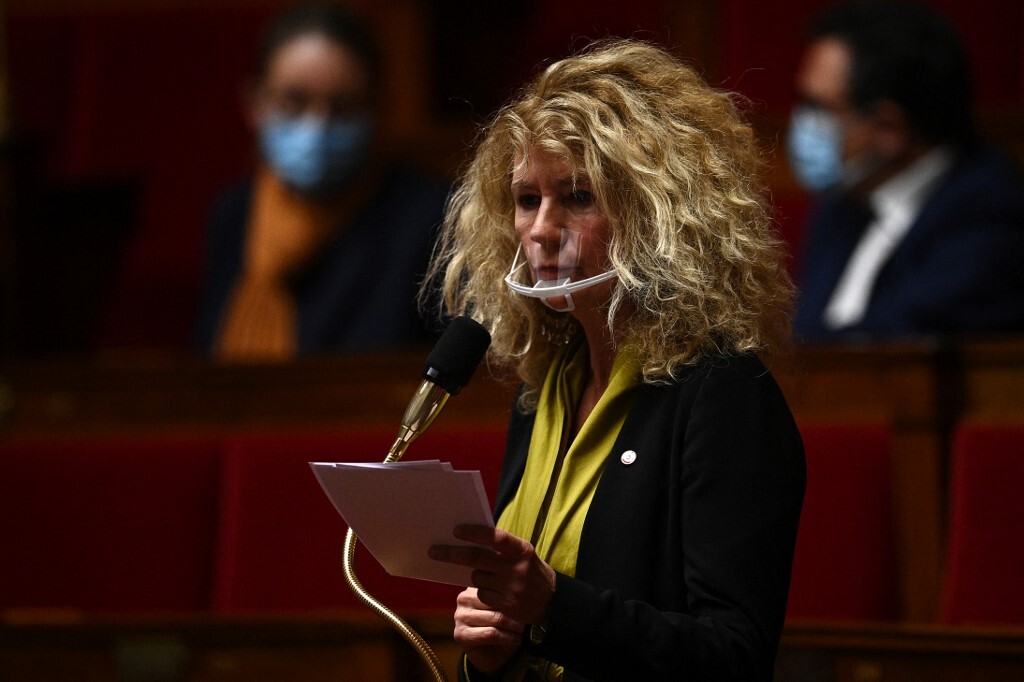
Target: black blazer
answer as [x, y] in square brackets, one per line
[685, 554]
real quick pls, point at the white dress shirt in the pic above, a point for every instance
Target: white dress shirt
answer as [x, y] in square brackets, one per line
[896, 204]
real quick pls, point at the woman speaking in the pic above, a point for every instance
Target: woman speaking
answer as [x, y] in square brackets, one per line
[613, 234]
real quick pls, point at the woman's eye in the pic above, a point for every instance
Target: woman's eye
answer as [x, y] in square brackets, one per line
[527, 201]
[582, 196]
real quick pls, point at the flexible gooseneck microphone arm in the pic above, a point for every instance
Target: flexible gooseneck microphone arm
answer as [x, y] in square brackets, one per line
[449, 368]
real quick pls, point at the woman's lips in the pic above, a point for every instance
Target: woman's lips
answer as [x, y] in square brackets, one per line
[552, 272]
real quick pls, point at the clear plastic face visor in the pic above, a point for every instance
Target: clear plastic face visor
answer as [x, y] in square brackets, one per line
[549, 277]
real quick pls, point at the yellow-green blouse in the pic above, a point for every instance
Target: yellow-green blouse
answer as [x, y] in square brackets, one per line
[562, 473]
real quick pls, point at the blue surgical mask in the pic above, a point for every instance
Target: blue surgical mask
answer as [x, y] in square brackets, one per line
[312, 155]
[815, 146]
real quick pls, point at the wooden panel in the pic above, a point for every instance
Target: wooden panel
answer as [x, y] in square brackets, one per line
[67, 398]
[891, 384]
[992, 380]
[356, 647]
[820, 652]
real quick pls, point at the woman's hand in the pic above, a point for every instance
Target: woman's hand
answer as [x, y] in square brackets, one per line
[509, 576]
[488, 637]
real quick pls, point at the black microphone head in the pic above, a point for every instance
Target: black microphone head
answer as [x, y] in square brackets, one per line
[457, 353]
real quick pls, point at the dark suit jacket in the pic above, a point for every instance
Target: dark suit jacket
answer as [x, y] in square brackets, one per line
[685, 555]
[360, 292]
[957, 271]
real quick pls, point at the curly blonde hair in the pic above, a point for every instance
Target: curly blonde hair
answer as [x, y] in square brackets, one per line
[676, 171]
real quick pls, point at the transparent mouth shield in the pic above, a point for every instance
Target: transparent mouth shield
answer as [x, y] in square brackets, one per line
[549, 276]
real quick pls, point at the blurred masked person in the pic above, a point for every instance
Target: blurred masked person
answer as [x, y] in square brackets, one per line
[918, 227]
[323, 249]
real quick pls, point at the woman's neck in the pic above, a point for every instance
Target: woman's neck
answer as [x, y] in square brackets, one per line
[600, 344]
[601, 348]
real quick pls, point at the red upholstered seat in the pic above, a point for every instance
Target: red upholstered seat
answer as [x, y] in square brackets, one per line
[108, 525]
[845, 566]
[984, 580]
[281, 540]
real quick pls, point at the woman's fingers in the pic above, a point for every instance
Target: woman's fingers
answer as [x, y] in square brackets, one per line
[493, 550]
[501, 541]
[488, 637]
[509, 574]
[465, 555]
[472, 612]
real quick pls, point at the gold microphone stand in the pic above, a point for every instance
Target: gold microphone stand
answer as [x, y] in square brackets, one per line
[426, 404]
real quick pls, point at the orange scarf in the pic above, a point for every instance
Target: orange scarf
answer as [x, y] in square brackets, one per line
[284, 232]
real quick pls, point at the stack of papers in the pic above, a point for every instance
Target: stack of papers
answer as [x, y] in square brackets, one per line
[399, 510]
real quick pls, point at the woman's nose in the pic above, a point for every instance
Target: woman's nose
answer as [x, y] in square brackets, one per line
[548, 224]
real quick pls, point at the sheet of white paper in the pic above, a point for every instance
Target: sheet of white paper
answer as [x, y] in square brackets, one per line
[398, 510]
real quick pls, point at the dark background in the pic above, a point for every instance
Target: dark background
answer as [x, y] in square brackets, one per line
[122, 120]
